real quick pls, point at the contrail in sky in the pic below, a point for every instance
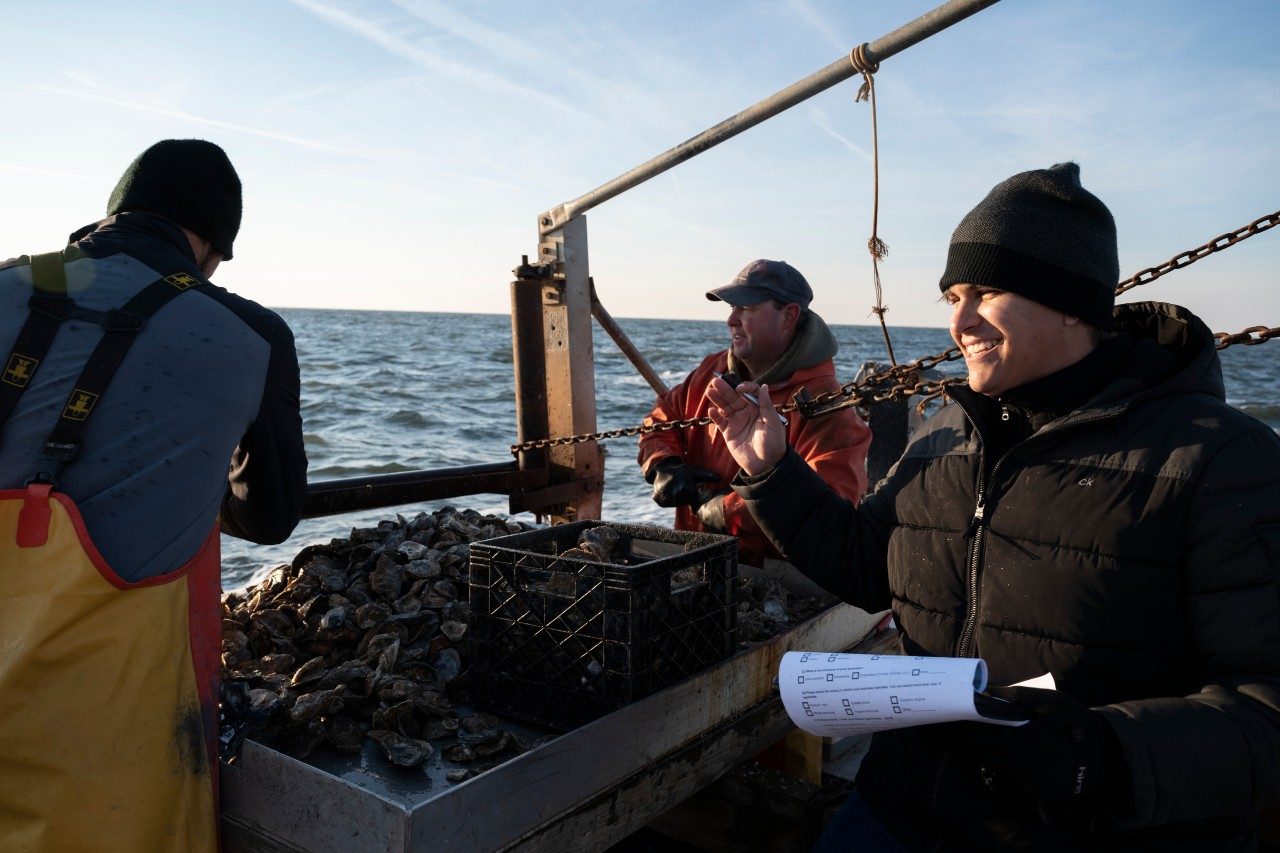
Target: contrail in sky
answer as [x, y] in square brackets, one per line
[431, 61]
[182, 115]
[820, 119]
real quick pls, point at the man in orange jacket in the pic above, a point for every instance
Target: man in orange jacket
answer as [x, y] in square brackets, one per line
[775, 340]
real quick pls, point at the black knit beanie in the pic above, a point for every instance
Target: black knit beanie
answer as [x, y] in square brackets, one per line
[1042, 235]
[190, 181]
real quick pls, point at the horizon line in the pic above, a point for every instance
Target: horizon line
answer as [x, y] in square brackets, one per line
[875, 326]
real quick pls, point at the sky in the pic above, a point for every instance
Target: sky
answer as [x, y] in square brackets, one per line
[395, 154]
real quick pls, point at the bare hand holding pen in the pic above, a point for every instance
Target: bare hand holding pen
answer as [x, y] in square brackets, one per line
[754, 435]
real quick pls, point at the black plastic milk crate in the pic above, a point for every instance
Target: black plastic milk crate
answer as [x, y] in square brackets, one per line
[563, 640]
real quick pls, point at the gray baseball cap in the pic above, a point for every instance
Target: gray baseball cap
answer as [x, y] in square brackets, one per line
[761, 280]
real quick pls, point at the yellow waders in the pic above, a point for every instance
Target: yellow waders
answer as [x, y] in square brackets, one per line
[108, 689]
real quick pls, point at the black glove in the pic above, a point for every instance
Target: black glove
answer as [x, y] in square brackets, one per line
[711, 511]
[1067, 755]
[675, 483]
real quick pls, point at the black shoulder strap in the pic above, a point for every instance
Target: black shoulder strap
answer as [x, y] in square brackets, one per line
[121, 328]
[49, 307]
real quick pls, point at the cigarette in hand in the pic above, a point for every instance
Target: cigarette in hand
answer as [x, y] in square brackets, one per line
[751, 398]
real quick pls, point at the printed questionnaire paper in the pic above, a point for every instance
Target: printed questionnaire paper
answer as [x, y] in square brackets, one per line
[836, 695]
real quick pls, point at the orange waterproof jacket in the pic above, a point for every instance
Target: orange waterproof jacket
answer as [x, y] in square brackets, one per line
[835, 445]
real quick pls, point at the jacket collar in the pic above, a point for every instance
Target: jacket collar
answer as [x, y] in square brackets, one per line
[106, 235]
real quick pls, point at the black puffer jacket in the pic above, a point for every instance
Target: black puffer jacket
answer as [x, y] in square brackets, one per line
[1131, 548]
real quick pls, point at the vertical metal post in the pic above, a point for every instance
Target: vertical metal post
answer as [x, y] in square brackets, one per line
[529, 361]
[570, 368]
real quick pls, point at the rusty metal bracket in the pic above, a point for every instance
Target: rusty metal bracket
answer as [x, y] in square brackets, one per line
[548, 274]
[531, 272]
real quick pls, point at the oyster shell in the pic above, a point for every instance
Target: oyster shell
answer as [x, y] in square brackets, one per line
[402, 751]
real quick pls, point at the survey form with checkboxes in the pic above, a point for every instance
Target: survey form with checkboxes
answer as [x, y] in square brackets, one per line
[836, 695]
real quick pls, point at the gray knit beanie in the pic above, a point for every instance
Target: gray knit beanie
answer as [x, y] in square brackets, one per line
[1042, 235]
[189, 181]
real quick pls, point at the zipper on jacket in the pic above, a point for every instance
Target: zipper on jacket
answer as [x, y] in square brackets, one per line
[977, 524]
[976, 528]
[979, 513]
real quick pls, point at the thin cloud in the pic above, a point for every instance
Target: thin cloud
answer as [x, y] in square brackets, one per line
[453, 22]
[431, 61]
[819, 118]
[44, 173]
[183, 115]
[622, 98]
[809, 15]
[301, 141]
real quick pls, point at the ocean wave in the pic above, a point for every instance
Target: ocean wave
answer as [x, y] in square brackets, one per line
[1268, 413]
[409, 418]
[334, 471]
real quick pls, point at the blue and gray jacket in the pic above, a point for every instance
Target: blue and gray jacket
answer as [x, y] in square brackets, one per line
[211, 381]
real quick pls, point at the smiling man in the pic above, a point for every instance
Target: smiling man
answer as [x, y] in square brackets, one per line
[1088, 506]
[776, 339]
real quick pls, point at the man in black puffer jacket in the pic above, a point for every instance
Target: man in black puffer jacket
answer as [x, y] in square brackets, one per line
[1089, 506]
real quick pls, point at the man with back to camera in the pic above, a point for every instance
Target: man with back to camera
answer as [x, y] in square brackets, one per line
[129, 384]
[776, 339]
[1088, 506]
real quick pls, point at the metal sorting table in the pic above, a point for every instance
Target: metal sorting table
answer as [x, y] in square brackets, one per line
[585, 789]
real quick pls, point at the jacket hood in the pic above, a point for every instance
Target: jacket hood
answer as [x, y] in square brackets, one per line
[813, 344]
[1176, 354]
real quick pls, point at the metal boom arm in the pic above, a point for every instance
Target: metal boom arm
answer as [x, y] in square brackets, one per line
[842, 69]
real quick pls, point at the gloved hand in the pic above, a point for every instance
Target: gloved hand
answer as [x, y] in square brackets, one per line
[1067, 755]
[711, 511]
[675, 483]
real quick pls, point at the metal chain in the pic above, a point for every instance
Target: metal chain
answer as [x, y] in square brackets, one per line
[861, 393]
[659, 426]
[1189, 257]
[900, 381]
[1250, 337]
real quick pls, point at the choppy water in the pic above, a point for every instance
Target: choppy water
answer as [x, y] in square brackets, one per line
[386, 391]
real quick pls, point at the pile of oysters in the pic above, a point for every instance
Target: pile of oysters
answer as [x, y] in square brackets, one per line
[364, 638]
[766, 608]
[361, 638]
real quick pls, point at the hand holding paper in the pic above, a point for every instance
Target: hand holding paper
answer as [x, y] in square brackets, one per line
[835, 695]
[1068, 753]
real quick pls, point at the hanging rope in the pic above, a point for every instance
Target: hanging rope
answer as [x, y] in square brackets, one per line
[876, 246]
